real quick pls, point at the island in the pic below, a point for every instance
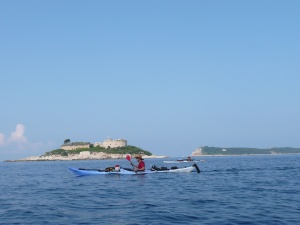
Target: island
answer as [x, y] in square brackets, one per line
[96, 153]
[109, 149]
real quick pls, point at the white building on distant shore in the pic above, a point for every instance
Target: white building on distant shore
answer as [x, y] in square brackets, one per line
[197, 152]
[110, 143]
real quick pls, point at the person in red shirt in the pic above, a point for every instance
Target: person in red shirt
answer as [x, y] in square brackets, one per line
[141, 165]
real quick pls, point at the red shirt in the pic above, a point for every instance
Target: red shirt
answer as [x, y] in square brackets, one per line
[141, 165]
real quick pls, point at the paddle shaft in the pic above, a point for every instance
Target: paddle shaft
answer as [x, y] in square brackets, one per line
[128, 158]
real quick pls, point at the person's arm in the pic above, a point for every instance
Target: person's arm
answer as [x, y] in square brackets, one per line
[141, 169]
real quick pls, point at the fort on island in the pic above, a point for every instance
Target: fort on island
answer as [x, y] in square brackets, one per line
[108, 149]
[109, 143]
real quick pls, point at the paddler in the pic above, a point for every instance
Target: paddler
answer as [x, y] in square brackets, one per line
[141, 165]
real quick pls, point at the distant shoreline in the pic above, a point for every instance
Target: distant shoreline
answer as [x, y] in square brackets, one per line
[204, 151]
[145, 157]
[74, 157]
[217, 151]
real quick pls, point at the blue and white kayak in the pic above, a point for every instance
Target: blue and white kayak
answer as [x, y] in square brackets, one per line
[86, 172]
[129, 171]
[126, 171]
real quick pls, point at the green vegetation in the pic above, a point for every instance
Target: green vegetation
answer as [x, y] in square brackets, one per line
[67, 141]
[247, 151]
[120, 150]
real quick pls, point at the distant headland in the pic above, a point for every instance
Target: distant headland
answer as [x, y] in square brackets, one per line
[218, 151]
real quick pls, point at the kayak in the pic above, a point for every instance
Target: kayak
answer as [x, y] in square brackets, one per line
[128, 171]
[175, 169]
[85, 172]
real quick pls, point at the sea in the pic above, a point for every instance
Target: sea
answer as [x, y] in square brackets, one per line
[261, 189]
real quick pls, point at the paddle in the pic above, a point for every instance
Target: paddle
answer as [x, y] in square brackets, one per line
[128, 158]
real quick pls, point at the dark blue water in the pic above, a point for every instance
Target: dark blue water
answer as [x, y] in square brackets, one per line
[229, 190]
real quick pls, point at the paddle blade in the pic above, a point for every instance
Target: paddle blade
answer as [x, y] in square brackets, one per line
[128, 157]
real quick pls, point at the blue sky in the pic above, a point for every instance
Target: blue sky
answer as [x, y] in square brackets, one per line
[168, 76]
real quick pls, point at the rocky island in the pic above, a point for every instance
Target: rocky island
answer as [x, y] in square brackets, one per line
[91, 154]
[109, 149]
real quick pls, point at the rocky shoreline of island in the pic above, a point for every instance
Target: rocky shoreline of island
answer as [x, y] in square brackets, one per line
[85, 155]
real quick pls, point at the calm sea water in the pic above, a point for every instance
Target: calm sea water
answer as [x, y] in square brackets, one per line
[229, 190]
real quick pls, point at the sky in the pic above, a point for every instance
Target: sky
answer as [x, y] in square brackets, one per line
[168, 76]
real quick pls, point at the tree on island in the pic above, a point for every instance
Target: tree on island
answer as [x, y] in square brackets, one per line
[67, 141]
